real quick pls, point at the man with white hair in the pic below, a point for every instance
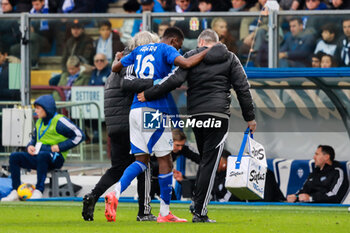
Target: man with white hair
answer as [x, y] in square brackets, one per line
[208, 99]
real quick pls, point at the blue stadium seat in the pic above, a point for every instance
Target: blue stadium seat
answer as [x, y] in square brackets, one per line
[299, 172]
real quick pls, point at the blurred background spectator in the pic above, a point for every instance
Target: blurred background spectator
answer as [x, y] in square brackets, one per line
[78, 44]
[219, 25]
[286, 4]
[76, 6]
[109, 42]
[162, 27]
[339, 4]
[146, 5]
[130, 7]
[316, 59]
[342, 53]
[7, 6]
[239, 5]
[328, 41]
[182, 6]
[297, 47]
[6, 93]
[313, 24]
[9, 28]
[205, 5]
[75, 75]
[327, 61]
[101, 72]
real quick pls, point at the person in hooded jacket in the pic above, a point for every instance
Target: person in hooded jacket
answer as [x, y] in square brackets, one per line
[208, 99]
[53, 136]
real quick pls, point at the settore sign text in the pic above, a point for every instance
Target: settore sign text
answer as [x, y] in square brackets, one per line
[88, 94]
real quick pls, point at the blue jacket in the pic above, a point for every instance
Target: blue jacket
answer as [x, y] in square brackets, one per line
[137, 24]
[98, 78]
[299, 48]
[64, 126]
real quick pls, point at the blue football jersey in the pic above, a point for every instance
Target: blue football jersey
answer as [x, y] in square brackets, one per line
[153, 61]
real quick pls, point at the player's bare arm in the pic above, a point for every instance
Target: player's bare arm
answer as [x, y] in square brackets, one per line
[117, 65]
[191, 61]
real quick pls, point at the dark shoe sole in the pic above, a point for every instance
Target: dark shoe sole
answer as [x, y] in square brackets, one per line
[88, 208]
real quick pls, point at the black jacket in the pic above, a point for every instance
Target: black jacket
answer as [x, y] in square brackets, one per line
[209, 83]
[328, 185]
[6, 93]
[117, 101]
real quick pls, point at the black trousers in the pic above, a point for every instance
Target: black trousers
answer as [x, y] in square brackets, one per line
[121, 159]
[210, 143]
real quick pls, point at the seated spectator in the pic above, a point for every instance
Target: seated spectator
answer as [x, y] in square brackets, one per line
[286, 4]
[166, 4]
[327, 61]
[312, 24]
[205, 5]
[9, 28]
[239, 5]
[146, 5]
[42, 31]
[342, 53]
[219, 25]
[316, 59]
[7, 6]
[182, 6]
[130, 7]
[162, 27]
[297, 47]
[327, 43]
[253, 35]
[327, 183]
[109, 42]
[339, 4]
[53, 136]
[76, 6]
[101, 72]
[297, 5]
[6, 93]
[76, 76]
[248, 24]
[79, 44]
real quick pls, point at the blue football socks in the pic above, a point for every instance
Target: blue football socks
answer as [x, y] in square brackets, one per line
[129, 174]
[165, 185]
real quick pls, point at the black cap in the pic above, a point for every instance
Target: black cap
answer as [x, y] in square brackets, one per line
[146, 2]
[131, 5]
[77, 24]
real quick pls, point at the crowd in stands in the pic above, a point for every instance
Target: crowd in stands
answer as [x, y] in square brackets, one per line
[302, 40]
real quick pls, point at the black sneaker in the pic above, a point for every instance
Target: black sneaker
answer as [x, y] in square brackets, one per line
[89, 202]
[199, 218]
[146, 218]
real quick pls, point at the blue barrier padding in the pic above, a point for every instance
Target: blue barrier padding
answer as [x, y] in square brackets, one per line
[264, 73]
[132, 200]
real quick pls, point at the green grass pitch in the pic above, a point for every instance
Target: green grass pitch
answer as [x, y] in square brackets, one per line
[66, 217]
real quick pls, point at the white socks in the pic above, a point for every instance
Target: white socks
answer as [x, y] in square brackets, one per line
[164, 208]
[117, 190]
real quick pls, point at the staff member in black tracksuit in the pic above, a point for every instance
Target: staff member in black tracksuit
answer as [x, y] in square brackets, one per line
[327, 183]
[209, 98]
[117, 104]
